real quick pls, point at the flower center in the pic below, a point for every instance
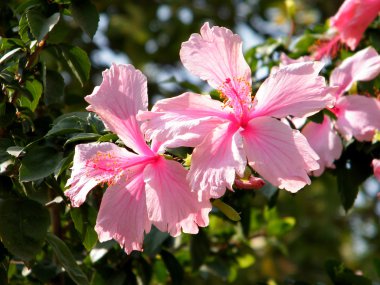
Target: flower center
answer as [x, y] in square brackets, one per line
[236, 93]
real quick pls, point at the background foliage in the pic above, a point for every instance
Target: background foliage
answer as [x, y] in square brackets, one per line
[52, 53]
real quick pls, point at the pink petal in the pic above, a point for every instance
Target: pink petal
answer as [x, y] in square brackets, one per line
[376, 168]
[294, 89]
[183, 120]
[171, 204]
[215, 55]
[117, 100]
[353, 18]
[357, 116]
[324, 140]
[362, 66]
[279, 154]
[285, 60]
[215, 161]
[85, 176]
[123, 214]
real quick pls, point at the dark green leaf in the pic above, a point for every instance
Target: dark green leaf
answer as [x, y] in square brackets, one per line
[78, 62]
[67, 260]
[174, 267]
[39, 162]
[9, 54]
[7, 114]
[39, 25]
[67, 125]
[341, 275]
[63, 165]
[317, 118]
[84, 222]
[23, 226]
[352, 169]
[86, 15]
[153, 241]
[199, 248]
[53, 86]
[34, 87]
[82, 137]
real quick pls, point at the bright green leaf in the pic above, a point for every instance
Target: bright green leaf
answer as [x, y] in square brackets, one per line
[23, 226]
[67, 260]
[227, 210]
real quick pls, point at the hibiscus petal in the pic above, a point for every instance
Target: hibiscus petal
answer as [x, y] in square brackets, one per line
[376, 168]
[353, 18]
[215, 161]
[117, 101]
[357, 116]
[215, 55]
[324, 140]
[294, 89]
[279, 154]
[362, 66]
[183, 120]
[85, 176]
[171, 204]
[123, 214]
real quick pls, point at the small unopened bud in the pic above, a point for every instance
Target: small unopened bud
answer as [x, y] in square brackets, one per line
[252, 183]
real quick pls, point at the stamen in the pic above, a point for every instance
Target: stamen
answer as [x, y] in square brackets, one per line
[326, 47]
[236, 93]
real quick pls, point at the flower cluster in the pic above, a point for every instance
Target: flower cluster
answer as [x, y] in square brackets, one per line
[243, 130]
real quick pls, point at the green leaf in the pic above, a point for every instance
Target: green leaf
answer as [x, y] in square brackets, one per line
[227, 210]
[279, 227]
[39, 25]
[353, 167]
[317, 118]
[153, 241]
[23, 226]
[34, 87]
[7, 114]
[9, 54]
[199, 248]
[53, 86]
[39, 162]
[86, 15]
[341, 275]
[67, 125]
[78, 62]
[82, 137]
[174, 267]
[84, 222]
[23, 29]
[67, 260]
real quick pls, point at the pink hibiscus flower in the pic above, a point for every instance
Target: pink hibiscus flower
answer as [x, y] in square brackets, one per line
[356, 115]
[226, 136]
[349, 25]
[144, 188]
[376, 168]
